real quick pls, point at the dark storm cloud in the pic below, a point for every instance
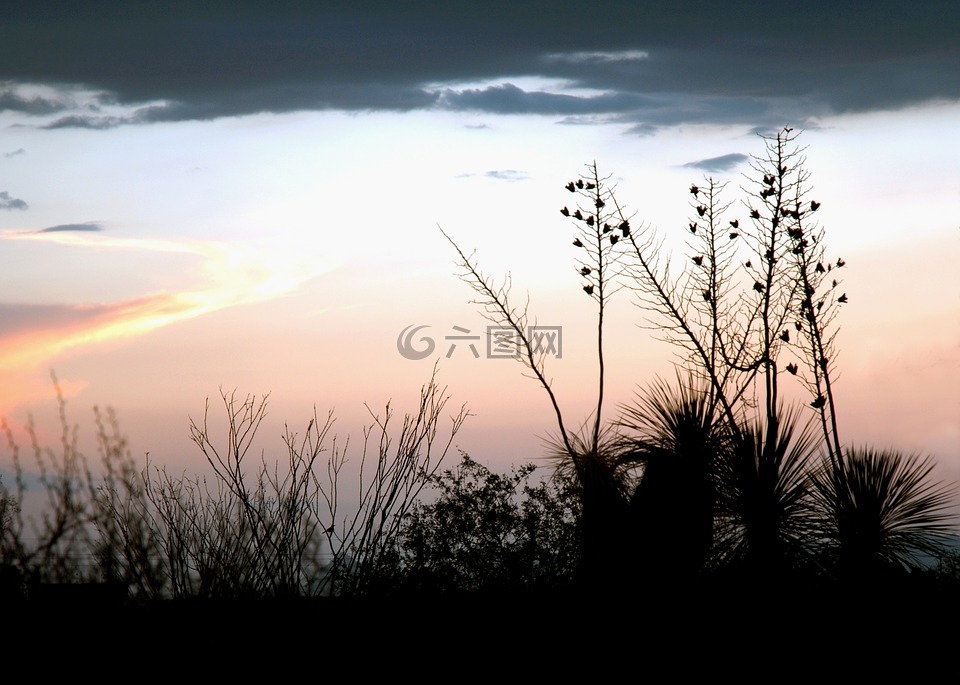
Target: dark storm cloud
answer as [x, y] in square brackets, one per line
[646, 66]
[88, 227]
[7, 202]
[721, 163]
[278, 99]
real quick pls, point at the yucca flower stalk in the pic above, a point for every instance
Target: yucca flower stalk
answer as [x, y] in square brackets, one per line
[815, 308]
[598, 225]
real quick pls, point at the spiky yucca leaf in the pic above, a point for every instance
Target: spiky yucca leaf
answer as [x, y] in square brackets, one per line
[601, 484]
[765, 521]
[672, 433]
[670, 420]
[881, 511]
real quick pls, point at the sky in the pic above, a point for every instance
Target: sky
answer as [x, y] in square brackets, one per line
[241, 197]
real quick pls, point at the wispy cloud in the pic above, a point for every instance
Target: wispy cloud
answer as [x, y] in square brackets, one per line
[509, 175]
[33, 336]
[88, 227]
[44, 332]
[11, 99]
[9, 202]
[14, 153]
[96, 122]
[718, 164]
[587, 57]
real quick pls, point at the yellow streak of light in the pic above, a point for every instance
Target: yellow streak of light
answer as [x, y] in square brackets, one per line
[234, 274]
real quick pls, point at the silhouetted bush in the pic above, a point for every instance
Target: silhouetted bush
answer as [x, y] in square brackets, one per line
[483, 531]
[261, 530]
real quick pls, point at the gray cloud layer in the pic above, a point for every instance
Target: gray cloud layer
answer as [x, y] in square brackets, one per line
[647, 66]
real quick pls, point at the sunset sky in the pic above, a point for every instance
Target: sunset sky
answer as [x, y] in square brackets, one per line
[249, 197]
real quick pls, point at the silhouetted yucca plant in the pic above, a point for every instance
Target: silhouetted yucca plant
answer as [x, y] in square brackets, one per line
[764, 518]
[598, 225]
[672, 432]
[880, 512]
[602, 481]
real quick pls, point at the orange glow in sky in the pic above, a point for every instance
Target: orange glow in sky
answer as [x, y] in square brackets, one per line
[232, 274]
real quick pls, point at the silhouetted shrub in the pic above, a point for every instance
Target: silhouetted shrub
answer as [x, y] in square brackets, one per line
[486, 531]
